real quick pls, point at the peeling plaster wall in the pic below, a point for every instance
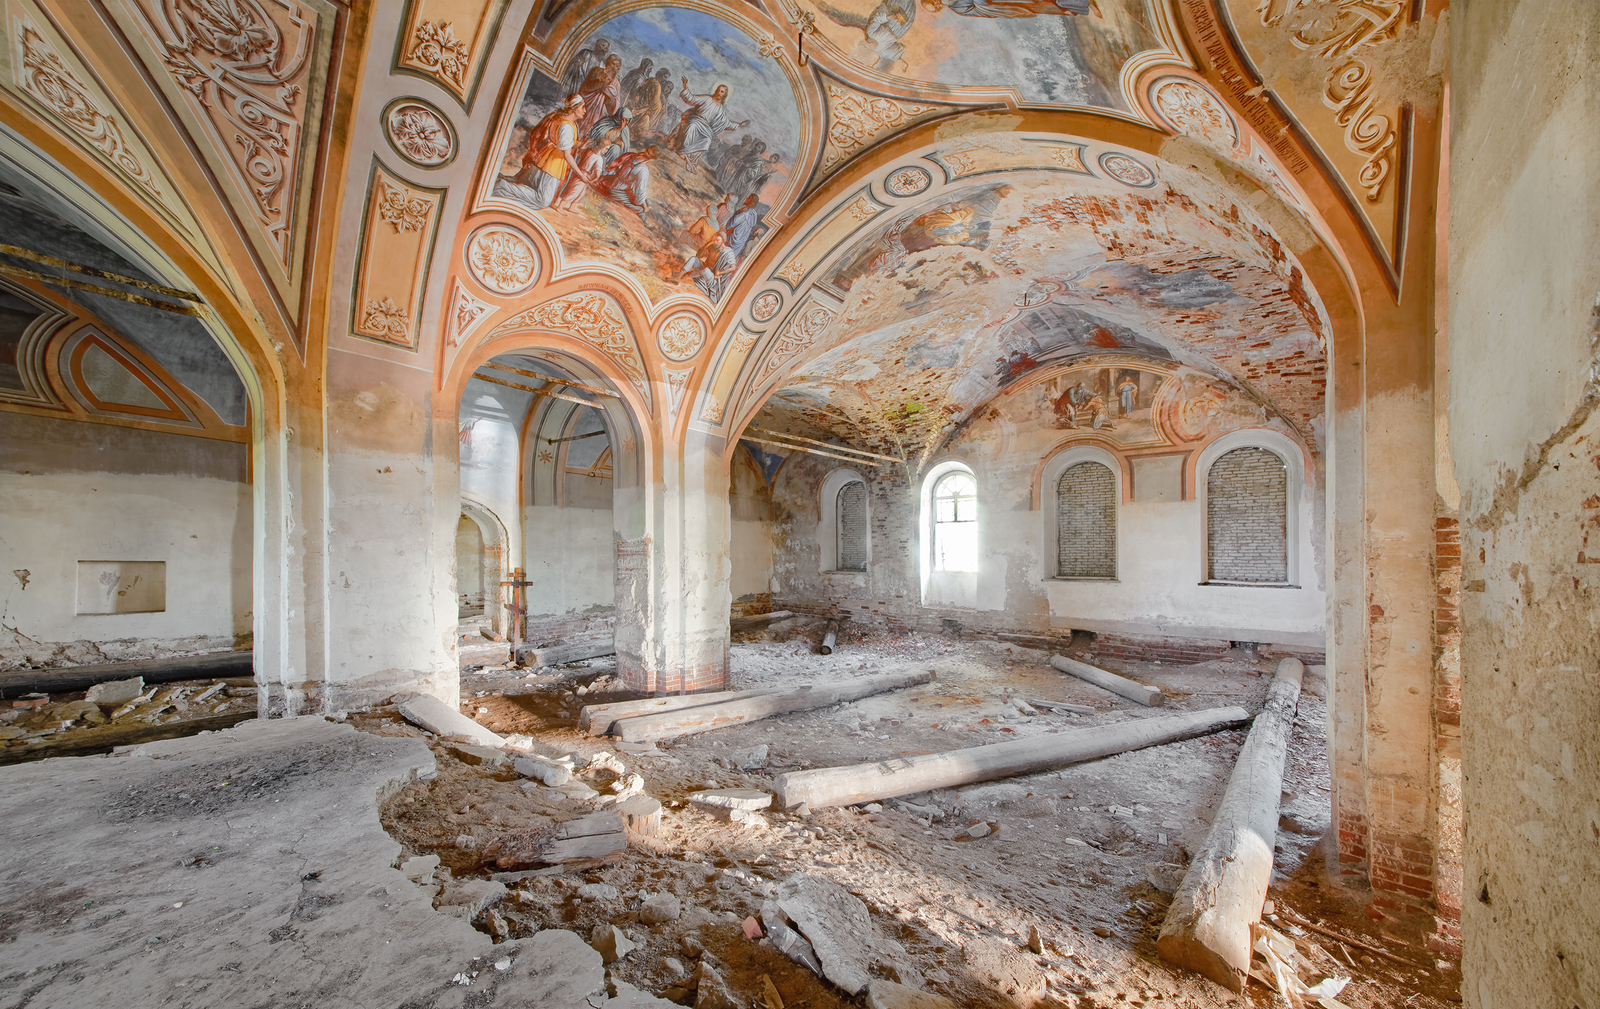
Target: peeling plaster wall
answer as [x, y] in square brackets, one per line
[750, 500]
[392, 516]
[571, 560]
[1525, 271]
[59, 506]
[1160, 546]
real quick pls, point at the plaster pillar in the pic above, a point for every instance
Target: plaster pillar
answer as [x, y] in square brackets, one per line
[674, 585]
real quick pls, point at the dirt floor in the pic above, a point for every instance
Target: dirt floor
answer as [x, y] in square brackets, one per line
[1086, 854]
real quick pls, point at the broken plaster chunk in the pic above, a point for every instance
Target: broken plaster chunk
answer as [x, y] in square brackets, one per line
[419, 868]
[115, 692]
[883, 994]
[833, 921]
[467, 898]
[578, 790]
[439, 718]
[748, 760]
[552, 774]
[597, 892]
[732, 798]
[712, 992]
[659, 907]
[610, 943]
[477, 756]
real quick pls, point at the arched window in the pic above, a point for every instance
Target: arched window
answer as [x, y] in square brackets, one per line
[852, 521]
[955, 523]
[1247, 495]
[1086, 522]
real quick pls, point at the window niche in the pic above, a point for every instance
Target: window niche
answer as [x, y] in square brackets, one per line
[844, 533]
[1247, 518]
[1086, 522]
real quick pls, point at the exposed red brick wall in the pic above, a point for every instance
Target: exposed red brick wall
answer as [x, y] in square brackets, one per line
[1400, 866]
[1352, 838]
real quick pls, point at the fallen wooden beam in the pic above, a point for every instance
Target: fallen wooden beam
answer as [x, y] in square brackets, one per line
[750, 709]
[556, 655]
[757, 620]
[597, 719]
[85, 742]
[830, 637]
[1208, 923]
[885, 779]
[65, 679]
[1146, 695]
[1077, 709]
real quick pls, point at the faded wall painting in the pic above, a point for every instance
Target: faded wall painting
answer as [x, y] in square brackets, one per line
[661, 149]
[1057, 52]
[1054, 333]
[961, 220]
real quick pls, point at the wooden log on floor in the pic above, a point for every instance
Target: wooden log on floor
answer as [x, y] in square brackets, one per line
[885, 779]
[597, 719]
[85, 742]
[557, 655]
[65, 679]
[1208, 923]
[757, 620]
[750, 709]
[830, 637]
[1146, 695]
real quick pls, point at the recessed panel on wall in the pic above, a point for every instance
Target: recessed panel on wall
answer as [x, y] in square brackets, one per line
[121, 587]
[392, 271]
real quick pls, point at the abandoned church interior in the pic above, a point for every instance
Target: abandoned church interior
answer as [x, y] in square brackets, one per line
[810, 503]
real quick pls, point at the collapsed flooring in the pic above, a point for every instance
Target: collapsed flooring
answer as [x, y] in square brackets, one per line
[952, 884]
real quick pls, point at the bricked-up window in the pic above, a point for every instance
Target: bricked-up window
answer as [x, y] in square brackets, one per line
[1248, 497]
[852, 518]
[955, 523]
[1086, 522]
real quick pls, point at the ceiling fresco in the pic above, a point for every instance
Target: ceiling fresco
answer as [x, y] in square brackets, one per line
[661, 148]
[1049, 52]
[980, 289]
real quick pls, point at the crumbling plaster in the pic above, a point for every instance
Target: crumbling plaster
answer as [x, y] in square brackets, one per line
[1525, 272]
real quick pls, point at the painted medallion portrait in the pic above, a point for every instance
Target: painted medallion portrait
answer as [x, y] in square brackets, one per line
[661, 149]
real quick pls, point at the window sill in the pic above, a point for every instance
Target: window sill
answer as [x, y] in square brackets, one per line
[1251, 585]
[1082, 578]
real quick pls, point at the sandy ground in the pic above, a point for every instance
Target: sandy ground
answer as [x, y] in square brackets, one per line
[1083, 854]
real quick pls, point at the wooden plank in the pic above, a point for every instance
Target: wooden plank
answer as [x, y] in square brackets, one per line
[757, 620]
[830, 637]
[737, 712]
[1079, 709]
[65, 679]
[597, 719]
[1144, 694]
[86, 742]
[556, 655]
[847, 786]
[1207, 928]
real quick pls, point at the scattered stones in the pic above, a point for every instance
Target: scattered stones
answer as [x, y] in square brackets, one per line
[883, 994]
[115, 692]
[660, 907]
[711, 991]
[973, 832]
[1035, 941]
[610, 943]
[675, 965]
[597, 892]
[692, 947]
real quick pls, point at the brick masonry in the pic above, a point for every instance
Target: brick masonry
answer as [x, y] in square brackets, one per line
[852, 518]
[1248, 497]
[1086, 522]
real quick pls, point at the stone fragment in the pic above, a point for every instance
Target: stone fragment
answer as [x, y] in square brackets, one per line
[496, 925]
[711, 991]
[748, 760]
[973, 832]
[659, 907]
[1035, 941]
[752, 928]
[439, 718]
[114, 692]
[467, 898]
[478, 755]
[732, 798]
[692, 946]
[883, 994]
[833, 921]
[1005, 968]
[675, 965]
[1165, 876]
[597, 892]
[609, 941]
[552, 774]
[577, 790]
[419, 868]
[628, 786]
